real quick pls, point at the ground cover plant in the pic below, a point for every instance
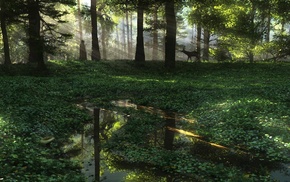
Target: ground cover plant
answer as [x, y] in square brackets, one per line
[244, 107]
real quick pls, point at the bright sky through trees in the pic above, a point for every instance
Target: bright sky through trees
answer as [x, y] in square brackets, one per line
[87, 2]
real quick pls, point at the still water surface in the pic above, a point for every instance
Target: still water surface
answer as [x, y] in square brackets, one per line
[116, 172]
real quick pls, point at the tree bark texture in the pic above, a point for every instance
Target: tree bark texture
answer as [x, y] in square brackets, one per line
[104, 45]
[82, 47]
[155, 35]
[35, 40]
[128, 36]
[96, 56]
[206, 36]
[7, 60]
[140, 55]
[170, 38]
[198, 41]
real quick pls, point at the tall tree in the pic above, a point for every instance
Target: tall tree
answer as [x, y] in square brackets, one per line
[131, 34]
[198, 40]
[206, 39]
[82, 47]
[103, 41]
[124, 43]
[140, 5]
[140, 55]
[9, 15]
[128, 36]
[42, 34]
[155, 33]
[170, 38]
[35, 39]
[96, 55]
[3, 20]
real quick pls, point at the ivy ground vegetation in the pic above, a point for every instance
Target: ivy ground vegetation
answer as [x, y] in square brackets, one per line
[240, 110]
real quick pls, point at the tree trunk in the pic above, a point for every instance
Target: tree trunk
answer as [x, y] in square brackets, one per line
[82, 48]
[124, 40]
[104, 41]
[155, 35]
[35, 40]
[253, 38]
[169, 135]
[7, 60]
[83, 51]
[170, 38]
[206, 36]
[117, 44]
[131, 34]
[80, 20]
[96, 56]
[192, 35]
[128, 35]
[140, 55]
[163, 43]
[268, 25]
[198, 41]
[251, 56]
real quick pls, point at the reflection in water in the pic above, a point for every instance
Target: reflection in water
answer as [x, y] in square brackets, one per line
[102, 163]
[202, 148]
[95, 167]
[169, 134]
[97, 143]
[171, 137]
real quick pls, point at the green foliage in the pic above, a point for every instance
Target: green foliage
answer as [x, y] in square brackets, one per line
[240, 106]
[246, 124]
[221, 55]
[244, 26]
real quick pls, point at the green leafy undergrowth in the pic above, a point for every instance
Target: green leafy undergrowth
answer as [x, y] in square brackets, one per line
[244, 106]
[256, 125]
[31, 109]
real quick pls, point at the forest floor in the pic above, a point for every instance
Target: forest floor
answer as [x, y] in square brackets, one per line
[243, 107]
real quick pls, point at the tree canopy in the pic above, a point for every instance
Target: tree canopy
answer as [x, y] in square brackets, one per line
[250, 30]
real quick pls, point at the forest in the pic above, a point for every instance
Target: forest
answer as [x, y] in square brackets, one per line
[247, 31]
[145, 90]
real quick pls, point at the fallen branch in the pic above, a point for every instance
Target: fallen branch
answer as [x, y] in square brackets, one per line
[198, 137]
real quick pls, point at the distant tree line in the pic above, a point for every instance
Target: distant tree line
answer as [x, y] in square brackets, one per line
[245, 28]
[225, 29]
